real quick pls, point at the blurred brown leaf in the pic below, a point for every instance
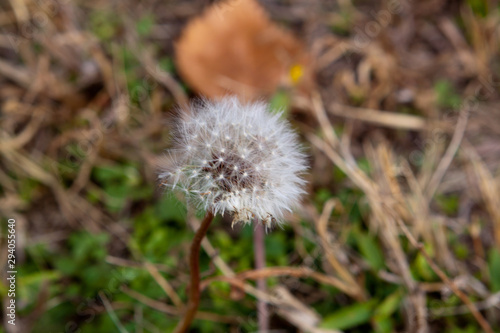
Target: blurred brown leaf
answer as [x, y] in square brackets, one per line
[234, 48]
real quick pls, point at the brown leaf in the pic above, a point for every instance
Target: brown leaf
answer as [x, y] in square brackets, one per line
[234, 48]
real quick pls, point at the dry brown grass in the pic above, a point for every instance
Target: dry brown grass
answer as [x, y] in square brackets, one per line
[69, 105]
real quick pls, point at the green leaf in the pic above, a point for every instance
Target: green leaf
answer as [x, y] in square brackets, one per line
[125, 174]
[350, 316]
[276, 248]
[448, 203]
[116, 197]
[27, 189]
[383, 325]
[422, 269]
[280, 101]
[370, 250]
[382, 320]
[338, 174]
[66, 265]
[389, 305]
[144, 25]
[321, 197]
[104, 24]
[167, 64]
[446, 95]
[479, 7]
[494, 266]
[38, 277]
[468, 329]
[169, 208]
[364, 165]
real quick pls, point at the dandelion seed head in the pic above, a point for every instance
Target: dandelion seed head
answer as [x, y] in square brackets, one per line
[237, 158]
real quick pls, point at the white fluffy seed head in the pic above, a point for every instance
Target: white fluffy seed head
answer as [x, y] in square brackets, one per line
[255, 174]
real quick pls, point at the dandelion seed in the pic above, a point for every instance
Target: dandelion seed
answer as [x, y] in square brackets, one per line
[262, 182]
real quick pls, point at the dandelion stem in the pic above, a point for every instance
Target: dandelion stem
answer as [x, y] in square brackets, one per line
[194, 265]
[260, 262]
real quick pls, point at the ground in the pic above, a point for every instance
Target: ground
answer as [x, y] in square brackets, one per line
[398, 112]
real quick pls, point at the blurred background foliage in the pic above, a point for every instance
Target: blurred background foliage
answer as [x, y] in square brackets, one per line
[87, 91]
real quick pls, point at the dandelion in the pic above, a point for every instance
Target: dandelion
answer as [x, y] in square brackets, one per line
[236, 158]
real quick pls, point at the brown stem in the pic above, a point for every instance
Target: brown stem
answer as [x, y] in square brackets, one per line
[194, 266]
[260, 262]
